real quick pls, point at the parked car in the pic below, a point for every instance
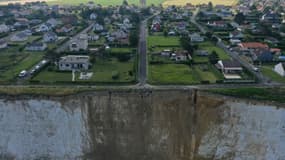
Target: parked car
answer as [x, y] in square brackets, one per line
[23, 73]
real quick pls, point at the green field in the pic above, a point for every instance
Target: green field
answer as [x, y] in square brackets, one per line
[210, 47]
[102, 2]
[172, 74]
[163, 41]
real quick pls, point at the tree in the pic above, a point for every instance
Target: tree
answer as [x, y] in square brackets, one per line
[210, 6]
[125, 3]
[239, 18]
[185, 43]
[134, 38]
[214, 57]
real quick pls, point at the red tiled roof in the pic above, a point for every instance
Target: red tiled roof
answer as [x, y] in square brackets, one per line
[254, 45]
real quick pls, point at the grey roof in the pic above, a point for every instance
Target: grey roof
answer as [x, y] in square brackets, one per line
[231, 64]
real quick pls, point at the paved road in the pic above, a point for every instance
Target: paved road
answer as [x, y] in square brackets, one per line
[65, 45]
[142, 48]
[193, 20]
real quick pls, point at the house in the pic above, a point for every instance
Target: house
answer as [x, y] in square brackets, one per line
[202, 53]
[52, 22]
[230, 68]
[93, 37]
[50, 37]
[155, 27]
[279, 69]
[65, 29]
[19, 37]
[36, 46]
[235, 41]
[271, 18]
[246, 46]
[74, 62]
[98, 27]
[180, 56]
[81, 43]
[195, 37]
[4, 28]
[217, 24]
[263, 55]
[43, 28]
[93, 16]
[166, 52]
[236, 35]
[3, 44]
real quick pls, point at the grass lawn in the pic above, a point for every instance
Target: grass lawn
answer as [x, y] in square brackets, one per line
[208, 74]
[267, 70]
[163, 41]
[172, 74]
[122, 50]
[52, 76]
[210, 47]
[270, 94]
[200, 59]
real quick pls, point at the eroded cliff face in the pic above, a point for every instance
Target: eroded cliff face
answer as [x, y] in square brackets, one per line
[141, 125]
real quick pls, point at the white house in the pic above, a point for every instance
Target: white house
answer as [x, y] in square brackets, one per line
[19, 37]
[50, 37]
[93, 37]
[98, 27]
[43, 28]
[81, 43]
[4, 28]
[3, 44]
[52, 22]
[180, 56]
[279, 69]
[36, 46]
[93, 16]
[195, 37]
[230, 68]
[74, 62]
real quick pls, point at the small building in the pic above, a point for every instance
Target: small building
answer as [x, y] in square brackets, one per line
[74, 62]
[65, 29]
[195, 37]
[230, 68]
[81, 43]
[3, 44]
[202, 53]
[166, 52]
[236, 35]
[50, 37]
[279, 69]
[93, 16]
[4, 28]
[180, 56]
[36, 46]
[44, 28]
[19, 37]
